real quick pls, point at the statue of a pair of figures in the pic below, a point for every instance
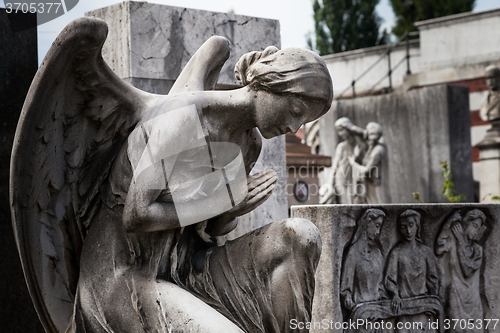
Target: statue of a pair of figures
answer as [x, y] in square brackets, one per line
[117, 194]
[359, 166]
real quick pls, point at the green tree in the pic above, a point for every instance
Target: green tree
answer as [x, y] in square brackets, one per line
[343, 25]
[408, 12]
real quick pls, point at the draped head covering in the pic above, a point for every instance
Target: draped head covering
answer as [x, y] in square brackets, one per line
[368, 216]
[293, 71]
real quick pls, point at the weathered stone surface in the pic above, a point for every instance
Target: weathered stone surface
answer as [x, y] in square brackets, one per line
[154, 42]
[19, 63]
[466, 275]
[118, 195]
[422, 128]
[273, 157]
[149, 44]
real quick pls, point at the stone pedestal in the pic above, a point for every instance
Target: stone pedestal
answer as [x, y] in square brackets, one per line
[18, 52]
[489, 157]
[148, 45]
[476, 290]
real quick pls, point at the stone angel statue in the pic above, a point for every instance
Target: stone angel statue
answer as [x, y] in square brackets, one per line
[117, 195]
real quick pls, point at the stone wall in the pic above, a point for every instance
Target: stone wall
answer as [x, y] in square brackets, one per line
[445, 289]
[422, 128]
[19, 63]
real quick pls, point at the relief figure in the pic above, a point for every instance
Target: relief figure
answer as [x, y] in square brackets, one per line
[411, 276]
[363, 267]
[462, 258]
[363, 264]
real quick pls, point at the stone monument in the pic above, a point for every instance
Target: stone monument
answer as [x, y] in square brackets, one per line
[422, 128]
[359, 166]
[406, 267]
[118, 195]
[149, 44]
[489, 147]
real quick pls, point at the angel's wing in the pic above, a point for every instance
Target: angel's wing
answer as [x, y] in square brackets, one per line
[76, 117]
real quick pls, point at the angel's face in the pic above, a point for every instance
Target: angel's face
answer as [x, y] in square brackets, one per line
[280, 114]
[472, 228]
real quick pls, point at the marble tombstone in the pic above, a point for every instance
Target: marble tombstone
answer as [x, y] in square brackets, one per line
[407, 268]
[359, 166]
[118, 195]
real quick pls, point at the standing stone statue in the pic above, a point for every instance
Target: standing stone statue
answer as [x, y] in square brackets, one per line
[363, 263]
[489, 147]
[463, 258]
[117, 195]
[490, 106]
[411, 275]
[341, 187]
[373, 169]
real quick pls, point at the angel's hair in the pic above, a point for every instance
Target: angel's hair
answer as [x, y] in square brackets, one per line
[293, 71]
[411, 213]
[473, 215]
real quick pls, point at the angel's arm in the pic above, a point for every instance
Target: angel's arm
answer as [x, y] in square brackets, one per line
[144, 210]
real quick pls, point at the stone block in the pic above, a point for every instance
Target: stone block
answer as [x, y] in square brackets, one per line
[460, 281]
[154, 42]
[422, 128]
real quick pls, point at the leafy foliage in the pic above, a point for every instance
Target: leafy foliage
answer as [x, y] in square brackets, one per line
[493, 197]
[409, 11]
[448, 190]
[343, 25]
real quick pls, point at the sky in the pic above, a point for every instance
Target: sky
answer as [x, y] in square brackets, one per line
[295, 16]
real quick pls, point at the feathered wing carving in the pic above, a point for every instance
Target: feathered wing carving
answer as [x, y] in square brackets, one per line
[76, 117]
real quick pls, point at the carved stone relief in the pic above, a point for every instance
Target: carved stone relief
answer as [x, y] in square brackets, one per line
[416, 271]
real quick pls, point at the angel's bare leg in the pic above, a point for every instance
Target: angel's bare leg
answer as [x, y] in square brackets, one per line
[186, 313]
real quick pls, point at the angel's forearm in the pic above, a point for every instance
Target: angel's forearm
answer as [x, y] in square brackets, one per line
[144, 211]
[155, 216]
[222, 225]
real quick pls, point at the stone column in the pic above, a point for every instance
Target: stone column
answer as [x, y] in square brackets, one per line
[489, 157]
[148, 45]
